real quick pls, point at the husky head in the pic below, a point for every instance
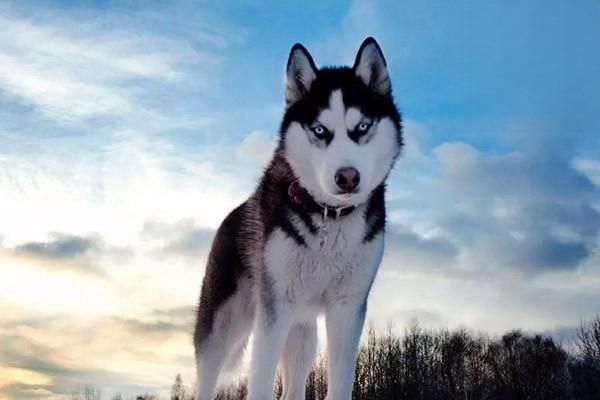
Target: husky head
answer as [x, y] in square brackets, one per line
[341, 131]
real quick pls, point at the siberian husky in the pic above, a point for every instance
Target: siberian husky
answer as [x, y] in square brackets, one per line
[310, 238]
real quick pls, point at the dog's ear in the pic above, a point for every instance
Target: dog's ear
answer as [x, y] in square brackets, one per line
[370, 66]
[300, 74]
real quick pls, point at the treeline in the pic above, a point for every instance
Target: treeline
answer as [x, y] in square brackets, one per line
[459, 365]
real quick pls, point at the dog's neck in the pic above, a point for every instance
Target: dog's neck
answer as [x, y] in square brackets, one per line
[300, 196]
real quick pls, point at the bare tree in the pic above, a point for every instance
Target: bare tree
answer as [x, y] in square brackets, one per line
[178, 390]
[588, 342]
[87, 392]
[425, 364]
[585, 366]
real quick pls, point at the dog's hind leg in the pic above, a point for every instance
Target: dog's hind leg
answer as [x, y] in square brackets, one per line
[209, 361]
[297, 359]
[221, 346]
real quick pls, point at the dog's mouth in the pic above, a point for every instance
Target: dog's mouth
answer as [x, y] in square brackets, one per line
[345, 195]
[346, 198]
[338, 197]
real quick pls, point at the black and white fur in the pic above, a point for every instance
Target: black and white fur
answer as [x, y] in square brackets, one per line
[279, 260]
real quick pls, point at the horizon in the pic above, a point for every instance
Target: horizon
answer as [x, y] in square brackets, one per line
[128, 131]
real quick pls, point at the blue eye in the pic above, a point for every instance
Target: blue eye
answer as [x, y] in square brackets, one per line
[363, 127]
[319, 130]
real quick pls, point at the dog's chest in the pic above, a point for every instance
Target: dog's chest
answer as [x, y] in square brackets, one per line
[334, 262]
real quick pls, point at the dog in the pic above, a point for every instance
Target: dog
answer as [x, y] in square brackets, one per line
[310, 239]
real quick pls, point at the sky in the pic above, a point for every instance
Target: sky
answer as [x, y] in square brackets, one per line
[129, 129]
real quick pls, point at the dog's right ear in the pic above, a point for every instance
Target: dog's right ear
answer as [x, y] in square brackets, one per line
[300, 74]
[370, 66]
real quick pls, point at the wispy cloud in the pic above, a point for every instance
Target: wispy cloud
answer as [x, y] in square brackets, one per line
[589, 167]
[50, 354]
[410, 251]
[67, 252]
[483, 230]
[134, 179]
[69, 67]
[61, 246]
[256, 148]
[535, 214]
[182, 238]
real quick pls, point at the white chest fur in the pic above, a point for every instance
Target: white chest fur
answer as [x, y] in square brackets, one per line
[335, 265]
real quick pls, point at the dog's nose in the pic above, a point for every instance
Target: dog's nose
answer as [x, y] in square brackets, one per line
[347, 178]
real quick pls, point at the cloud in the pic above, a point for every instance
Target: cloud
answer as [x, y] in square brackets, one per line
[63, 353]
[257, 148]
[527, 255]
[113, 187]
[456, 158]
[28, 391]
[69, 67]
[176, 313]
[61, 246]
[183, 238]
[493, 302]
[513, 211]
[409, 251]
[156, 329]
[74, 253]
[589, 167]
[13, 376]
[565, 335]
[425, 318]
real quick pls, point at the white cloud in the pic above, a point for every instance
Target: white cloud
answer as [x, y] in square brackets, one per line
[413, 133]
[69, 69]
[456, 157]
[57, 94]
[106, 183]
[41, 291]
[257, 148]
[590, 168]
[113, 189]
[130, 355]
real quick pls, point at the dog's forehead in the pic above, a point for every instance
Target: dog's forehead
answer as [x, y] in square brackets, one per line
[333, 88]
[337, 115]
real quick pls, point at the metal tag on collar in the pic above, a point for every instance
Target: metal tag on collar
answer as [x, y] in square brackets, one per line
[323, 227]
[338, 212]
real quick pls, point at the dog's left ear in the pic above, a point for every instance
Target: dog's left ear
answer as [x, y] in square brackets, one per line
[370, 66]
[300, 74]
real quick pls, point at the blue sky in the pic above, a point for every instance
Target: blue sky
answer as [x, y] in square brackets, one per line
[129, 129]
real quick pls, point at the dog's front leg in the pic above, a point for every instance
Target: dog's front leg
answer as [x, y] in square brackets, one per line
[344, 322]
[270, 332]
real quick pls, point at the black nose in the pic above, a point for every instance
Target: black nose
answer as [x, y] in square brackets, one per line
[347, 178]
